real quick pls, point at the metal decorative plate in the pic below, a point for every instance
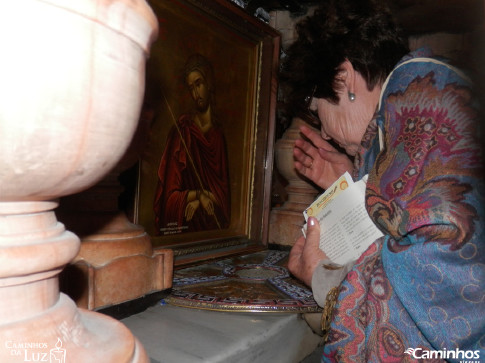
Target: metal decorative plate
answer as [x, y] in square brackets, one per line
[259, 282]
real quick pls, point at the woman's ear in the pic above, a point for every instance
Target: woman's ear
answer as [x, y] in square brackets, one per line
[346, 76]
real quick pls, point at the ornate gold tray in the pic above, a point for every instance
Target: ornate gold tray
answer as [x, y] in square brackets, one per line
[258, 282]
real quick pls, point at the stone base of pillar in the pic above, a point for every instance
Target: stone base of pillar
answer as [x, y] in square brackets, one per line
[285, 227]
[37, 323]
[115, 265]
[69, 334]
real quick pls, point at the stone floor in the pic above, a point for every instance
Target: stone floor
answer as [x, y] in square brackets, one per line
[172, 334]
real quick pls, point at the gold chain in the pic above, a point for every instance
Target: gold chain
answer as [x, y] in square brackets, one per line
[327, 313]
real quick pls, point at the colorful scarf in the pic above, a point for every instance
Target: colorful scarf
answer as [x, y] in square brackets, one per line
[418, 292]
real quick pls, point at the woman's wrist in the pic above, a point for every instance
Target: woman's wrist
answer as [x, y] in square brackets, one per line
[326, 276]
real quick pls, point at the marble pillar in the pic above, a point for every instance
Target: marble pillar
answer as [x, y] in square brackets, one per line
[72, 85]
[116, 262]
[286, 221]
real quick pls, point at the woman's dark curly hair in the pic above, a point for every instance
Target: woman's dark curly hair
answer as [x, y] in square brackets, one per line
[361, 31]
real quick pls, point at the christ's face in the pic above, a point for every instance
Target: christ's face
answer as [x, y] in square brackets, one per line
[199, 90]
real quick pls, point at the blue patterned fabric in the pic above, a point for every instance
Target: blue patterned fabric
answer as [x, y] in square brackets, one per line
[421, 286]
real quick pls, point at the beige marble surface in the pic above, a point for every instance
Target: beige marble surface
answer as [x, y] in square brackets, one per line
[184, 335]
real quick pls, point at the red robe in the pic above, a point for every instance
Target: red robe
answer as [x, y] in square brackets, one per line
[177, 177]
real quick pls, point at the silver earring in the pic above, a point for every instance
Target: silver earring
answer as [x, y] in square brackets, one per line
[351, 97]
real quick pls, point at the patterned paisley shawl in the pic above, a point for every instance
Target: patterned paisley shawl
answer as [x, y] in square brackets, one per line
[422, 284]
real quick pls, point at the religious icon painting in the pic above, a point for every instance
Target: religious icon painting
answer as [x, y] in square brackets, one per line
[204, 175]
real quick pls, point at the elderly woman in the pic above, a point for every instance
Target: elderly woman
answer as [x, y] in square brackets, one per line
[410, 122]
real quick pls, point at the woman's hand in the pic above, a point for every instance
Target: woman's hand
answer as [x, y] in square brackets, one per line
[306, 253]
[318, 160]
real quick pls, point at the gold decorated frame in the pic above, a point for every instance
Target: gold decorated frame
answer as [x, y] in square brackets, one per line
[244, 53]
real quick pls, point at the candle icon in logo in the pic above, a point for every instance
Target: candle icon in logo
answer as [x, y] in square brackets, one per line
[58, 354]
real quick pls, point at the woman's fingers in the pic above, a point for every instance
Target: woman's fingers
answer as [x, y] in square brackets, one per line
[316, 138]
[318, 160]
[304, 154]
[294, 259]
[306, 254]
[333, 157]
